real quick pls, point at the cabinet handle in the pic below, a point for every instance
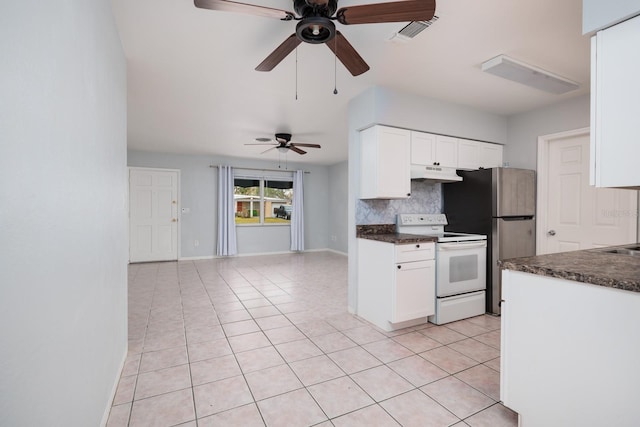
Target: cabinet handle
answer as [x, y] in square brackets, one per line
[408, 194]
[418, 246]
[399, 267]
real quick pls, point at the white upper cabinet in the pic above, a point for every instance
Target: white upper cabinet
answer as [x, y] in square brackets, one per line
[490, 155]
[447, 151]
[468, 154]
[423, 148]
[385, 163]
[475, 155]
[428, 149]
[615, 102]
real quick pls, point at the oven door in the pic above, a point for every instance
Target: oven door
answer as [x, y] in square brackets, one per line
[461, 267]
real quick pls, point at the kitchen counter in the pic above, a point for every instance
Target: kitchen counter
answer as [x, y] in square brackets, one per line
[387, 233]
[561, 338]
[587, 266]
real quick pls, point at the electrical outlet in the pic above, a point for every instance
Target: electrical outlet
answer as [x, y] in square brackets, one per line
[196, 243]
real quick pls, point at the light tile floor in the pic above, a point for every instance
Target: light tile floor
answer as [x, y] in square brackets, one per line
[267, 340]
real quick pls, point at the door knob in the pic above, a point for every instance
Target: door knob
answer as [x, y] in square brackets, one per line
[551, 232]
[174, 220]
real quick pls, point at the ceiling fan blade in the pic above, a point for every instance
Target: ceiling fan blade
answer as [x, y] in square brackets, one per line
[232, 6]
[279, 53]
[347, 55]
[304, 144]
[296, 149]
[269, 149]
[398, 11]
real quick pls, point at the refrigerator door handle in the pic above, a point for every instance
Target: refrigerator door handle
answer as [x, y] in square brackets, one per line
[515, 218]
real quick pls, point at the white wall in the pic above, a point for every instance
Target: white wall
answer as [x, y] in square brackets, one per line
[431, 115]
[63, 228]
[524, 129]
[198, 189]
[338, 207]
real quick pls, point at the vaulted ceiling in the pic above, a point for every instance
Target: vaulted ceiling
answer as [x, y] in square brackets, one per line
[192, 87]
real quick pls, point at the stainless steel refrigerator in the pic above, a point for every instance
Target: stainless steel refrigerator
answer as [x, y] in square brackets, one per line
[500, 203]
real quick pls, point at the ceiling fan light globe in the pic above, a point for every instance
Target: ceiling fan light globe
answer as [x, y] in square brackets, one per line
[282, 149]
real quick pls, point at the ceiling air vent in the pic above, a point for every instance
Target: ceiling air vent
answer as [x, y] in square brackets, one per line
[412, 29]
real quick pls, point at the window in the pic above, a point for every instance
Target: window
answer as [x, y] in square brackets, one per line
[262, 200]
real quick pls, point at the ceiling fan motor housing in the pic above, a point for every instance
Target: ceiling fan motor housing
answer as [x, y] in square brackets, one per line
[306, 8]
[316, 26]
[283, 137]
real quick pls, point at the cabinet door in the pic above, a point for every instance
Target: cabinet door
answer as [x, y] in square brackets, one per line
[447, 151]
[385, 163]
[615, 103]
[423, 148]
[468, 154]
[490, 155]
[414, 291]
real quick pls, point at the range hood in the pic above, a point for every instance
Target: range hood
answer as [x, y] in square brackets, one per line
[434, 173]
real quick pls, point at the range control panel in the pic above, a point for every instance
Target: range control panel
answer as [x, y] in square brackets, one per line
[421, 219]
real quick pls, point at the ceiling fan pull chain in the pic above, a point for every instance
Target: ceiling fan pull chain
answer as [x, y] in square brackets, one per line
[335, 67]
[296, 74]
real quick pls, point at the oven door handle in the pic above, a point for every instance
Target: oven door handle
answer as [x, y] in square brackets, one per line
[461, 246]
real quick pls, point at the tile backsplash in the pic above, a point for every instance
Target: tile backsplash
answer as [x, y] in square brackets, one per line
[426, 197]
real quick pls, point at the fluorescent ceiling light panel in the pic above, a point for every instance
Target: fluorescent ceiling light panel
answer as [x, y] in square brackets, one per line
[525, 74]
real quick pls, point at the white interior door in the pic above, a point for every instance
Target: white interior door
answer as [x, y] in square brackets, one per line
[575, 215]
[153, 215]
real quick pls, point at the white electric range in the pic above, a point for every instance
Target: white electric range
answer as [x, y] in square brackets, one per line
[460, 266]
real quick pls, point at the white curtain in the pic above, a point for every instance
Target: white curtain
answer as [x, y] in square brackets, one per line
[297, 214]
[226, 213]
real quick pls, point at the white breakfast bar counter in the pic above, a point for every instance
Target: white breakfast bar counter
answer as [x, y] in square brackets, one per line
[570, 350]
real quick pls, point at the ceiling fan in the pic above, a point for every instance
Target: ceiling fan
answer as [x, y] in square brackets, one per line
[316, 24]
[283, 144]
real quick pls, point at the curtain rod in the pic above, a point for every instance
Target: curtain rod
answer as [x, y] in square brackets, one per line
[261, 169]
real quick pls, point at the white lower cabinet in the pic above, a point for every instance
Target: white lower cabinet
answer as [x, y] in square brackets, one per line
[569, 352]
[411, 299]
[396, 283]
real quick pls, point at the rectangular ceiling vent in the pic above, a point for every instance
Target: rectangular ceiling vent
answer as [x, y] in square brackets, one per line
[412, 29]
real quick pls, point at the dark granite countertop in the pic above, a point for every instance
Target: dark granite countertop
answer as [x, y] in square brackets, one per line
[399, 238]
[387, 233]
[592, 266]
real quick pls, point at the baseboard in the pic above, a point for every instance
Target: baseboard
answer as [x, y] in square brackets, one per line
[336, 252]
[105, 416]
[199, 258]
